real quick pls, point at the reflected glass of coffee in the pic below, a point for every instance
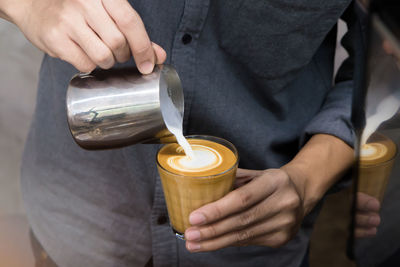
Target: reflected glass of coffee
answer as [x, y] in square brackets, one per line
[190, 183]
[376, 162]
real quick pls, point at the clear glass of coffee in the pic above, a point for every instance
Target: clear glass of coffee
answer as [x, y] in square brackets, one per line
[375, 166]
[189, 183]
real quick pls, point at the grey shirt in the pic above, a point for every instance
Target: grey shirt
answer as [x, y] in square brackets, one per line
[258, 73]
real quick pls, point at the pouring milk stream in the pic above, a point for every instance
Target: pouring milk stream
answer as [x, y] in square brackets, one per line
[197, 157]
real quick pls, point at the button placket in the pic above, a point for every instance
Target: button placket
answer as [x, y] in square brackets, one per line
[183, 54]
[186, 39]
[162, 219]
[163, 243]
[184, 49]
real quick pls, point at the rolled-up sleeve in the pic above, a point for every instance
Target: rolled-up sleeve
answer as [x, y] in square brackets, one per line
[334, 117]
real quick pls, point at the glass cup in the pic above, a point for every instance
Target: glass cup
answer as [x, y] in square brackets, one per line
[185, 193]
[374, 172]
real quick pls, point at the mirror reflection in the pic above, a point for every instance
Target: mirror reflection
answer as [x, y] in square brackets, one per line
[377, 196]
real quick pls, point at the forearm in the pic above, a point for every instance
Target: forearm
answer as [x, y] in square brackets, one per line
[267, 210]
[319, 165]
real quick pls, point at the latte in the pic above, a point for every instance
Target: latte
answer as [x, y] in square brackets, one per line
[191, 182]
[378, 149]
[209, 158]
[375, 165]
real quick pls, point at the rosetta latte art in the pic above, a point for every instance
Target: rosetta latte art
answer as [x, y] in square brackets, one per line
[210, 158]
[205, 158]
[379, 149]
[373, 151]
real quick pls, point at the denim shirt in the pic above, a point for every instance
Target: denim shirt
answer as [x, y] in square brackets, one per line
[257, 73]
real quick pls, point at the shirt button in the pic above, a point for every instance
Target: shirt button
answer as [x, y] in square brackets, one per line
[162, 219]
[186, 39]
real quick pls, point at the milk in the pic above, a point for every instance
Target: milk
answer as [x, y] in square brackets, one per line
[205, 158]
[183, 143]
[173, 119]
[383, 96]
[367, 151]
[385, 110]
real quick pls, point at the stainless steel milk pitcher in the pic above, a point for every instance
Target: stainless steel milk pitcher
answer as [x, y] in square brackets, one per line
[119, 107]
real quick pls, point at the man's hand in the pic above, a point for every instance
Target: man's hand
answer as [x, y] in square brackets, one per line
[266, 211]
[268, 206]
[86, 33]
[367, 216]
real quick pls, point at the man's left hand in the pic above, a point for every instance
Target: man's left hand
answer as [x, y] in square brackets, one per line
[266, 210]
[367, 217]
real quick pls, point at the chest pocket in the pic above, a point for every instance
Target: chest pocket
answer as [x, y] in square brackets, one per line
[274, 39]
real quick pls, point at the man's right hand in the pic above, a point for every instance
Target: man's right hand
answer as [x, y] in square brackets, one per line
[86, 33]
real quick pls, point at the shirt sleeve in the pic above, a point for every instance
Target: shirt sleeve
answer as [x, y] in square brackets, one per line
[334, 117]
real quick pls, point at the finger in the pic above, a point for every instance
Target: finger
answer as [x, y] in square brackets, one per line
[245, 173]
[161, 55]
[91, 44]
[388, 47]
[240, 182]
[260, 212]
[367, 220]
[236, 201]
[70, 52]
[367, 203]
[131, 25]
[244, 176]
[241, 179]
[108, 31]
[246, 236]
[273, 240]
[365, 232]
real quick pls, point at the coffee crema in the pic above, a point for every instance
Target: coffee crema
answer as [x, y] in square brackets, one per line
[376, 163]
[378, 150]
[210, 158]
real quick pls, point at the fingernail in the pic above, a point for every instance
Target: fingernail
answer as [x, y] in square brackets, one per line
[196, 218]
[373, 231]
[146, 67]
[193, 246]
[192, 235]
[375, 220]
[373, 205]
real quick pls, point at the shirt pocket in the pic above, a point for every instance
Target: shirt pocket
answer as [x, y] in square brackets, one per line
[274, 39]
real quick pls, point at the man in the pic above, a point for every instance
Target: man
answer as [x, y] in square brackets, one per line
[258, 73]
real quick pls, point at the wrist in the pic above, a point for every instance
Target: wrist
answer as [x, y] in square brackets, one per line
[309, 192]
[318, 166]
[12, 10]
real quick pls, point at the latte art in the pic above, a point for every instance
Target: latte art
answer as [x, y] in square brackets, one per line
[373, 151]
[205, 158]
[209, 158]
[375, 165]
[378, 149]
